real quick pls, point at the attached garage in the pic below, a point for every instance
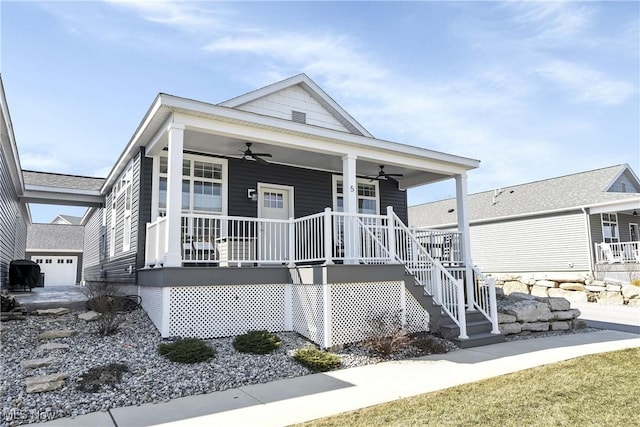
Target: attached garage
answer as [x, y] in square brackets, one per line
[58, 270]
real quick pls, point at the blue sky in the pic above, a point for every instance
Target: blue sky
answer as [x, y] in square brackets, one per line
[532, 89]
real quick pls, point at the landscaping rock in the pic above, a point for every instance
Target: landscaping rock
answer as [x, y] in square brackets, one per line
[38, 363]
[506, 318]
[547, 283]
[634, 302]
[89, 316]
[535, 326]
[570, 286]
[44, 382]
[539, 291]
[559, 304]
[613, 288]
[519, 296]
[510, 328]
[53, 346]
[572, 296]
[578, 324]
[630, 291]
[567, 315]
[56, 333]
[514, 286]
[53, 311]
[560, 326]
[529, 311]
[610, 298]
[594, 288]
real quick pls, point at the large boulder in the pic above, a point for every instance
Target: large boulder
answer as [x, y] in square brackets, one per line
[547, 283]
[635, 302]
[510, 328]
[519, 296]
[571, 286]
[539, 291]
[44, 382]
[514, 286]
[535, 326]
[560, 326]
[567, 314]
[529, 311]
[610, 298]
[572, 296]
[559, 304]
[630, 291]
[594, 288]
[506, 318]
[613, 288]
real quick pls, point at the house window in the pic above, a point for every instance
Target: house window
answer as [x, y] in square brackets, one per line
[273, 200]
[69, 261]
[60, 261]
[368, 196]
[634, 232]
[39, 261]
[610, 228]
[47, 261]
[202, 183]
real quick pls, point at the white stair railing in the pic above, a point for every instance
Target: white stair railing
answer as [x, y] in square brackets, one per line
[484, 289]
[431, 274]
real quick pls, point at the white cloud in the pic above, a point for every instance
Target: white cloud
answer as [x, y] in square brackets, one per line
[586, 84]
[38, 161]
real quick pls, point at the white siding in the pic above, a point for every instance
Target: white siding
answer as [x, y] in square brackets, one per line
[280, 105]
[534, 244]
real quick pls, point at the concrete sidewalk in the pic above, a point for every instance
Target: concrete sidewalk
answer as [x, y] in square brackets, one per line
[613, 317]
[310, 397]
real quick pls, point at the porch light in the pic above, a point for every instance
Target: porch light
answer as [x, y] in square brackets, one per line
[635, 213]
[252, 194]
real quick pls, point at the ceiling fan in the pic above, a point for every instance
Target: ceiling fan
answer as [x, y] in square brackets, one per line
[383, 176]
[250, 155]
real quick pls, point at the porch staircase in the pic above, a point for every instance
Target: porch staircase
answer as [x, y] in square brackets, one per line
[478, 327]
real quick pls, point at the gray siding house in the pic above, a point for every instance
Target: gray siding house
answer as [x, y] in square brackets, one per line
[273, 210]
[57, 248]
[14, 215]
[581, 223]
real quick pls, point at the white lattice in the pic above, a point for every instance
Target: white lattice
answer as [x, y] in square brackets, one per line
[417, 316]
[354, 304]
[220, 311]
[307, 312]
[152, 302]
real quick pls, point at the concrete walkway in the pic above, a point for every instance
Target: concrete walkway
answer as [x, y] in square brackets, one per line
[310, 397]
[73, 297]
[614, 317]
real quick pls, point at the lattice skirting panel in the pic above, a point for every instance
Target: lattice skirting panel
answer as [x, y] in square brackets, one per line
[152, 302]
[220, 311]
[328, 315]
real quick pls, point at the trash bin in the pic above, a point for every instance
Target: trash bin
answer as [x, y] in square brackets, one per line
[23, 274]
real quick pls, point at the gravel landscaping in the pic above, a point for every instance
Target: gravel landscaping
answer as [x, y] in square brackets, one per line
[149, 378]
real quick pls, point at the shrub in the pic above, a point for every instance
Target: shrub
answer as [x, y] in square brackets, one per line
[256, 342]
[316, 360]
[430, 344]
[94, 379]
[187, 350]
[105, 299]
[387, 335]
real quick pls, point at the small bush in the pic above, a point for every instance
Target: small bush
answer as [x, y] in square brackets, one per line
[106, 300]
[187, 350]
[256, 342]
[387, 334]
[430, 344]
[94, 379]
[316, 360]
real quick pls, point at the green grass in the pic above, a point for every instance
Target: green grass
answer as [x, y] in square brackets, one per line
[598, 390]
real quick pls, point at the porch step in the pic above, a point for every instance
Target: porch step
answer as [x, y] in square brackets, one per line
[478, 330]
[426, 302]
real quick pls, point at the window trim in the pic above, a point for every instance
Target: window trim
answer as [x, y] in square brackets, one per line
[609, 222]
[334, 191]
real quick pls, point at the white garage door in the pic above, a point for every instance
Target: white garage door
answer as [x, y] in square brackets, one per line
[58, 270]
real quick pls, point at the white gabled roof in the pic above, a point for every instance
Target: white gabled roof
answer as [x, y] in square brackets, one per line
[587, 189]
[314, 91]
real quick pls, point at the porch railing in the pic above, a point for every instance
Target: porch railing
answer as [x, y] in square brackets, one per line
[617, 253]
[443, 245]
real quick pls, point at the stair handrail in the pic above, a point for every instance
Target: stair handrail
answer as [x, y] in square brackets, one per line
[485, 297]
[448, 290]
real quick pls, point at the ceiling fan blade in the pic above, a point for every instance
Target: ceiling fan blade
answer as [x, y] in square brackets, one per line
[260, 160]
[393, 174]
[261, 154]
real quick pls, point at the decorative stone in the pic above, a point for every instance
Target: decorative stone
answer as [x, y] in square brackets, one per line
[510, 328]
[44, 382]
[570, 286]
[560, 326]
[530, 281]
[89, 316]
[613, 288]
[535, 326]
[566, 277]
[54, 346]
[53, 311]
[598, 283]
[56, 333]
[610, 298]
[539, 291]
[630, 291]
[547, 283]
[506, 318]
[529, 311]
[499, 292]
[567, 314]
[635, 302]
[38, 363]
[578, 324]
[572, 296]
[594, 288]
[519, 296]
[515, 286]
[559, 304]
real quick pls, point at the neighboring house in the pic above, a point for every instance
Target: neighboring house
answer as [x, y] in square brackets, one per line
[57, 248]
[556, 225]
[14, 215]
[67, 220]
[273, 210]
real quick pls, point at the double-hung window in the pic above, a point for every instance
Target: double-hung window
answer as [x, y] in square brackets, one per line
[368, 196]
[610, 228]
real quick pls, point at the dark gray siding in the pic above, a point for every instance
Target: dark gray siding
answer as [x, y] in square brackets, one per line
[92, 233]
[144, 204]
[312, 189]
[13, 221]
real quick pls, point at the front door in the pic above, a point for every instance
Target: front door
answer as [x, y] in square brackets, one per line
[275, 207]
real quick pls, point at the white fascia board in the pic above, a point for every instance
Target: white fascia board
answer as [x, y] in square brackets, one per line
[66, 251]
[87, 215]
[47, 189]
[619, 205]
[11, 148]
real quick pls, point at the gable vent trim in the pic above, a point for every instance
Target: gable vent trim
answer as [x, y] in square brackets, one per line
[299, 116]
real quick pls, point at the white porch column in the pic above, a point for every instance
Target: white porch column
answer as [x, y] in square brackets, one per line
[350, 204]
[173, 254]
[155, 188]
[463, 227]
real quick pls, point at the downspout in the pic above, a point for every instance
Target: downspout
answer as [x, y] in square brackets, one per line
[587, 222]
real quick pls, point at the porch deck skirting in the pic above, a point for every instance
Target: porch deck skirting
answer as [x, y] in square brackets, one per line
[327, 314]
